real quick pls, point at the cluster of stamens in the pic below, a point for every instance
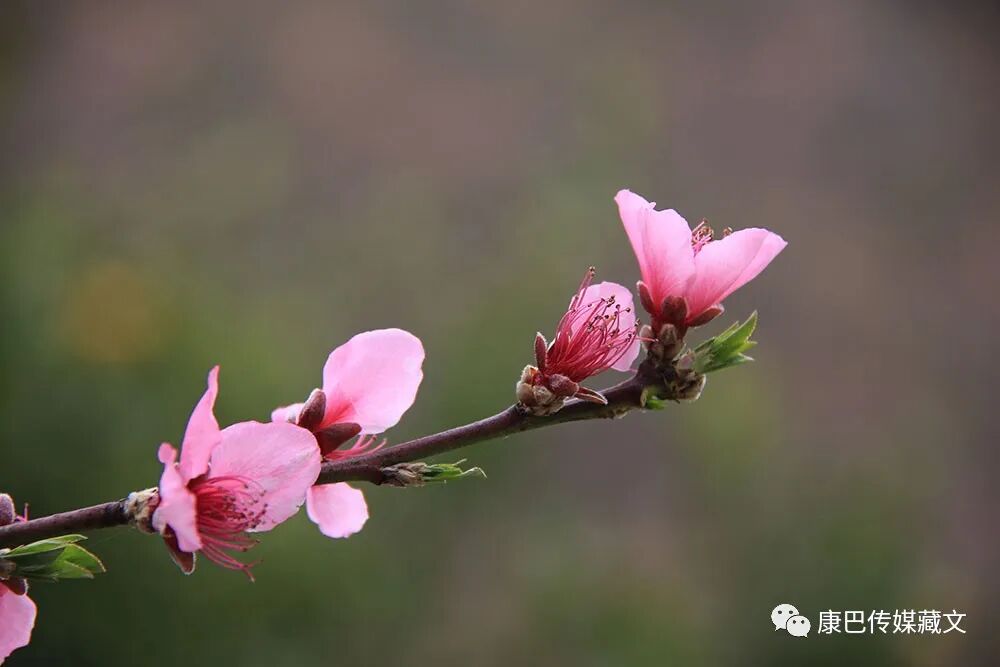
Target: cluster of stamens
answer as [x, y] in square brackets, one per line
[702, 234]
[589, 337]
[227, 507]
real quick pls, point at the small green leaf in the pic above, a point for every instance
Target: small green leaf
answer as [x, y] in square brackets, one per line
[42, 546]
[79, 557]
[443, 472]
[727, 349]
[54, 559]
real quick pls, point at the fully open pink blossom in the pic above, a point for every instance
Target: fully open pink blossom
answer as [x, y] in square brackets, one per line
[248, 477]
[17, 618]
[369, 382]
[676, 261]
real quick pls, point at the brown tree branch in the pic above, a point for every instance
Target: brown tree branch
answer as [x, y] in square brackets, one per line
[104, 515]
[622, 398]
[369, 468]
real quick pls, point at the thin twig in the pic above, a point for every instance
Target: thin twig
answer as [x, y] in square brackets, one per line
[621, 398]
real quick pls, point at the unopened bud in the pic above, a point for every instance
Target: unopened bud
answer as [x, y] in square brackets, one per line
[667, 344]
[405, 474]
[7, 511]
[419, 473]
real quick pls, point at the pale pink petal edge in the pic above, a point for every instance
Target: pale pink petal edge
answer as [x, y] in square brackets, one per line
[202, 433]
[338, 509]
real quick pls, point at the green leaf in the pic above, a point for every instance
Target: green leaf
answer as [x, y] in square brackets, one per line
[76, 556]
[727, 349]
[54, 559]
[42, 546]
[443, 472]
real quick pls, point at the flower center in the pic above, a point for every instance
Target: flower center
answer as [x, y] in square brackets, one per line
[589, 338]
[227, 507]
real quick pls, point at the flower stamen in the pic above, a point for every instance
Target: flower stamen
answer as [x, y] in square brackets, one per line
[365, 444]
[702, 234]
[589, 337]
[227, 507]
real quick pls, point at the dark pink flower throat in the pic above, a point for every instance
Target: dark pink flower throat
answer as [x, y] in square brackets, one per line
[227, 507]
[589, 338]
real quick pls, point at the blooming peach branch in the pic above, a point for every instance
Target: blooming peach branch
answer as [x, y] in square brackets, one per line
[376, 467]
[223, 485]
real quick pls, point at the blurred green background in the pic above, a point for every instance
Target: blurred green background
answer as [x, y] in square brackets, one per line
[183, 184]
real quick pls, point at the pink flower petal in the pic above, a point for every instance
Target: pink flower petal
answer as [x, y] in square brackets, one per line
[725, 265]
[281, 460]
[626, 321]
[178, 506]
[287, 413]
[17, 618]
[372, 379]
[662, 244]
[338, 509]
[202, 434]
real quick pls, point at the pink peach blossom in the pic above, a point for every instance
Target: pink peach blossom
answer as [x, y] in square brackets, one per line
[369, 382]
[676, 261]
[248, 477]
[597, 333]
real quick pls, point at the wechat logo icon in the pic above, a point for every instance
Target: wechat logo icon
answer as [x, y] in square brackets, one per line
[786, 617]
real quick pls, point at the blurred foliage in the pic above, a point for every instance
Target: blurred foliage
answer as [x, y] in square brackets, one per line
[182, 185]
